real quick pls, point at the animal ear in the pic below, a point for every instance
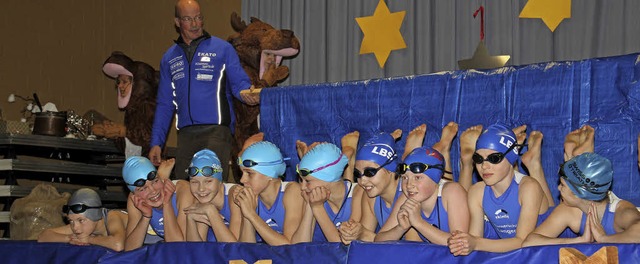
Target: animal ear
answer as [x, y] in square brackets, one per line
[255, 19]
[237, 24]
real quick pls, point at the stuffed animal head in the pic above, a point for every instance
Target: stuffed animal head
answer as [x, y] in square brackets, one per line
[259, 44]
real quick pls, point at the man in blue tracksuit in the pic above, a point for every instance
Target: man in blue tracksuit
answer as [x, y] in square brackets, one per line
[198, 76]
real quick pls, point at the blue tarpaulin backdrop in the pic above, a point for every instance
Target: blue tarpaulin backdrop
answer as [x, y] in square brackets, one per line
[555, 98]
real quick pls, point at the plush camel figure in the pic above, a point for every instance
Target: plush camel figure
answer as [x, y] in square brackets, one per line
[260, 48]
[138, 100]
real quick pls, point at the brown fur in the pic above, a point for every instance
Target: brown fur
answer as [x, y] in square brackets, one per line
[249, 42]
[139, 112]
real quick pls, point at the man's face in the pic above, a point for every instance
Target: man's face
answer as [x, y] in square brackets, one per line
[189, 21]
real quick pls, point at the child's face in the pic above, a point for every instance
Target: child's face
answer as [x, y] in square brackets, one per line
[204, 189]
[492, 173]
[309, 183]
[254, 180]
[417, 186]
[373, 186]
[568, 197]
[80, 225]
[152, 192]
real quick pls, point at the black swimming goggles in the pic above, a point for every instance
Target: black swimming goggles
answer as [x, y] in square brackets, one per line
[418, 167]
[369, 171]
[493, 158]
[141, 182]
[250, 163]
[77, 208]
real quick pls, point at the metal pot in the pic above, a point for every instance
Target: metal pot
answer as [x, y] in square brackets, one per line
[50, 124]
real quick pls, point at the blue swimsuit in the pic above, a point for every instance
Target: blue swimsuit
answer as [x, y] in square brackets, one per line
[439, 216]
[343, 213]
[607, 218]
[157, 219]
[503, 212]
[274, 216]
[381, 210]
[225, 212]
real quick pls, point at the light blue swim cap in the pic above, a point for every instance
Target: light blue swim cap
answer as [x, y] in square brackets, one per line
[380, 149]
[206, 157]
[135, 168]
[589, 176]
[323, 155]
[265, 158]
[428, 156]
[499, 137]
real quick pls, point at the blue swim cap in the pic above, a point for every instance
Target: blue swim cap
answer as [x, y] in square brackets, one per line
[498, 137]
[380, 149]
[135, 168]
[206, 157]
[588, 175]
[267, 156]
[323, 155]
[427, 156]
[89, 198]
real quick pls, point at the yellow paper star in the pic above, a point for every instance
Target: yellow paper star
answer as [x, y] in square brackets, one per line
[482, 60]
[381, 33]
[552, 12]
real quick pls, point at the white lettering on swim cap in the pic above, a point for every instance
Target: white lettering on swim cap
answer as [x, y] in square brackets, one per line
[382, 152]
[507, 144]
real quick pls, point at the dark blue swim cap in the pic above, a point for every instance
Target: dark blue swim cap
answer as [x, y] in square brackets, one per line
[430, 157]
[380, 149]
[498, 137]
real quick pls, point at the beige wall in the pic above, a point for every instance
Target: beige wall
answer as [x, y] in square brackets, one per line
[56, 48]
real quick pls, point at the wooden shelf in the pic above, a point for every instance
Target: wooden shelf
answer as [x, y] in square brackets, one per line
[105, 146]
[5, 216]
[64, 167]
[21, 191]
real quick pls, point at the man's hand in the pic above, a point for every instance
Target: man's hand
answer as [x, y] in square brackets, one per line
[250, 96]
[155, 155]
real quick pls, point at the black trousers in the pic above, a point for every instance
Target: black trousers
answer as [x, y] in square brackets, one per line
[192, 139]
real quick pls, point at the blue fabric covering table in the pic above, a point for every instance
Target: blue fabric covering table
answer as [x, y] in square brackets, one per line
[23, 252]
[408, 252]
[555, 98]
